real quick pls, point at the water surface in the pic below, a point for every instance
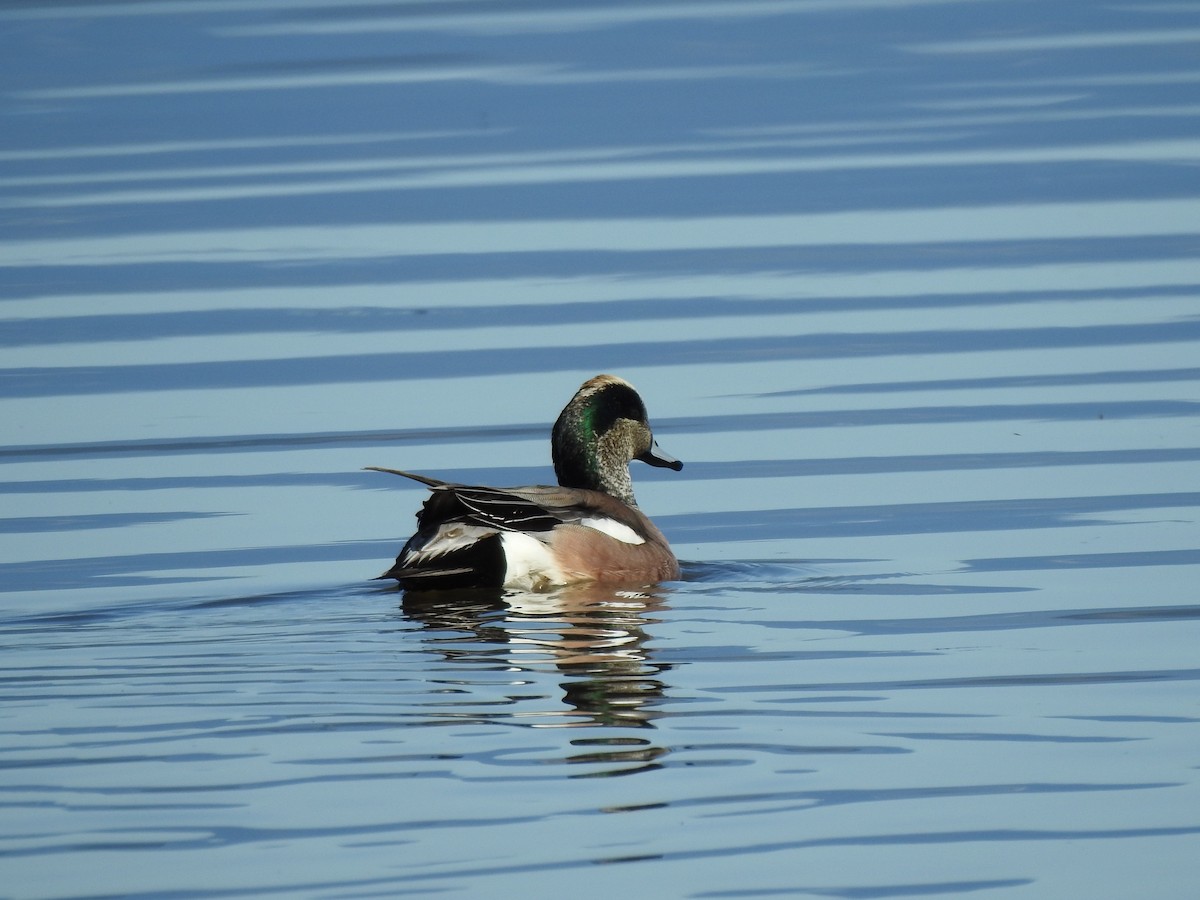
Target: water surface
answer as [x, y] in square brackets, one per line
[912, 287]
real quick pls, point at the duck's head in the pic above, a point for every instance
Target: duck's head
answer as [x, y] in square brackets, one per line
[599, 432]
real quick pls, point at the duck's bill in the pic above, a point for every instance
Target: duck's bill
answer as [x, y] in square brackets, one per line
[656, 457]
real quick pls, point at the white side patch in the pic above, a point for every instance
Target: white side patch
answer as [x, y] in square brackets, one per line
[529, 563]
[614, 529]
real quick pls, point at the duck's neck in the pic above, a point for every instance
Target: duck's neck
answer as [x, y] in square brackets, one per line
[616, 482]
[602, 466]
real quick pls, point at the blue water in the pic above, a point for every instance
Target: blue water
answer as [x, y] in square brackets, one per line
[913, 288]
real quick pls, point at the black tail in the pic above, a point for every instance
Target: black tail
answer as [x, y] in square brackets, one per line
[480, 564]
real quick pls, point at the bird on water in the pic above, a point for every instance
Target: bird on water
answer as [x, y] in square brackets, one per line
[586, 528]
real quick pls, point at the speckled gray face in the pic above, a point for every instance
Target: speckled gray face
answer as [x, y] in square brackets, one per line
[599, 432]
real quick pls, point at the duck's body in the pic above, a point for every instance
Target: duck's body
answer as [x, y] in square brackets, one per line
[588, 528]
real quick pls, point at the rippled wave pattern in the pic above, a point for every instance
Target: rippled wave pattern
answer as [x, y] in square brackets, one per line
[911, 286]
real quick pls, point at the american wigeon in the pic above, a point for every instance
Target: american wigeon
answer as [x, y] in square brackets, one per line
[588, 528]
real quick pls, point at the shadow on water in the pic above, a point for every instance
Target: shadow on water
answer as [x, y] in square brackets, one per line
[594, 635]
[49, 381]
[800, 577]
[365, 319]
[599, 640]
[915, 518]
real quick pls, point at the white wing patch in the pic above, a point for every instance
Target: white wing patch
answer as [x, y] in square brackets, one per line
[613, 529]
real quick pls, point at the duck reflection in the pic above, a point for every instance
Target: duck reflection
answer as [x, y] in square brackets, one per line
[594, 634]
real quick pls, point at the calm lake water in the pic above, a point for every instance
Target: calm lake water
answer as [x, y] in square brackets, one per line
[913, 288]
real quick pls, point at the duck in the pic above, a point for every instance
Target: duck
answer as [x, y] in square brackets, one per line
[587, 528]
